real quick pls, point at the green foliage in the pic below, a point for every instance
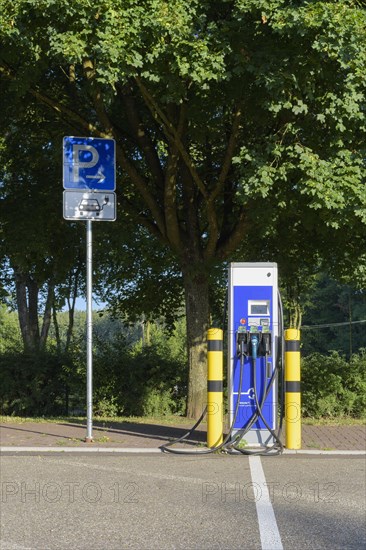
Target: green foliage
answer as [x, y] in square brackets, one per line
[333, 386]
[330, 302]
[296, 70]
[107, 406]
[136, 275]
[131, 376]
[142, 379]
[134, 378]
[160, 402]
[355, 382]
[10, 338]
[33, 384]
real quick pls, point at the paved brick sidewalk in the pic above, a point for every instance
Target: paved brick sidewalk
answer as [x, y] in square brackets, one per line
[348, 438]
[130, 434]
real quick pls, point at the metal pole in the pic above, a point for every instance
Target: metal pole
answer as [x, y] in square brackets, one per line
[89, 333]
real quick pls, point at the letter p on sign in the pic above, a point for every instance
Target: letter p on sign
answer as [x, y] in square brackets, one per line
[80, 164]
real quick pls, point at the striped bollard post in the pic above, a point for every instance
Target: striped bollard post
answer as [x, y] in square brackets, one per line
[214, 387]
[292, 389]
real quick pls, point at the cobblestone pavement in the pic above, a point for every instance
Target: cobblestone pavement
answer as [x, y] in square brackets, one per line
[130, 434]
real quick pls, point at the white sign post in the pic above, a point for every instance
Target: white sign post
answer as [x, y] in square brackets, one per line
[89, 332]
[89, 178]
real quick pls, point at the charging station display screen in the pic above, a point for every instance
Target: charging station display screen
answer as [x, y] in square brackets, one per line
[258, 308]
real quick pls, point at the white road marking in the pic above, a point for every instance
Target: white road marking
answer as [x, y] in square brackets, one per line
[7, 545]
[268, 530]
[127, 450]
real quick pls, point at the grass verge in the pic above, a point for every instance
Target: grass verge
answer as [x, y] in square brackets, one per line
[169, 420]
[339, 421]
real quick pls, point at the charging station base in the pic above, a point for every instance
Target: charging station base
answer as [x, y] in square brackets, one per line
[256, 438]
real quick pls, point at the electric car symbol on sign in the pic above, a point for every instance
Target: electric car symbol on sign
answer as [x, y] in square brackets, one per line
[89, 205]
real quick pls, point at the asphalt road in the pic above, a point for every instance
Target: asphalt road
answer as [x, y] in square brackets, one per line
[114, 502]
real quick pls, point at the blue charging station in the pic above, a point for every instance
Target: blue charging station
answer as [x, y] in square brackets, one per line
[253, 337]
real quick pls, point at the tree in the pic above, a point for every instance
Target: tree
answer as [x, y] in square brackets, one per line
[230, 118]
[338, 313]
[38, 250]
[136, 275]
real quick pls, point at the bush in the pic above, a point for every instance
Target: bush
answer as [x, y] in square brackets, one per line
[356, 382]
[128, 379]
[333, 386]
[107, 406]
[158, 402]
[34, 384]
[143, 380]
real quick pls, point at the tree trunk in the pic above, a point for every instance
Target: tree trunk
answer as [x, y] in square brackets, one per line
[47, 316]
[33, 291]
[70, 326]
[71, 303]
[197, 315]
[56, 327]
[22, 307]
[27, 305]
[27, 293]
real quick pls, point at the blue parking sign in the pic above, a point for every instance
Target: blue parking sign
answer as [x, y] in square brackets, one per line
[89, 163]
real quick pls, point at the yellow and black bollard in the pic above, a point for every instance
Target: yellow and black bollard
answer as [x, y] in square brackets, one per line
[214, 387]
[292, 389]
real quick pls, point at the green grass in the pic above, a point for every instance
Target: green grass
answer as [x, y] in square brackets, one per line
[336, 421]
[162, 420]
[169, 420]
[313, 445]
